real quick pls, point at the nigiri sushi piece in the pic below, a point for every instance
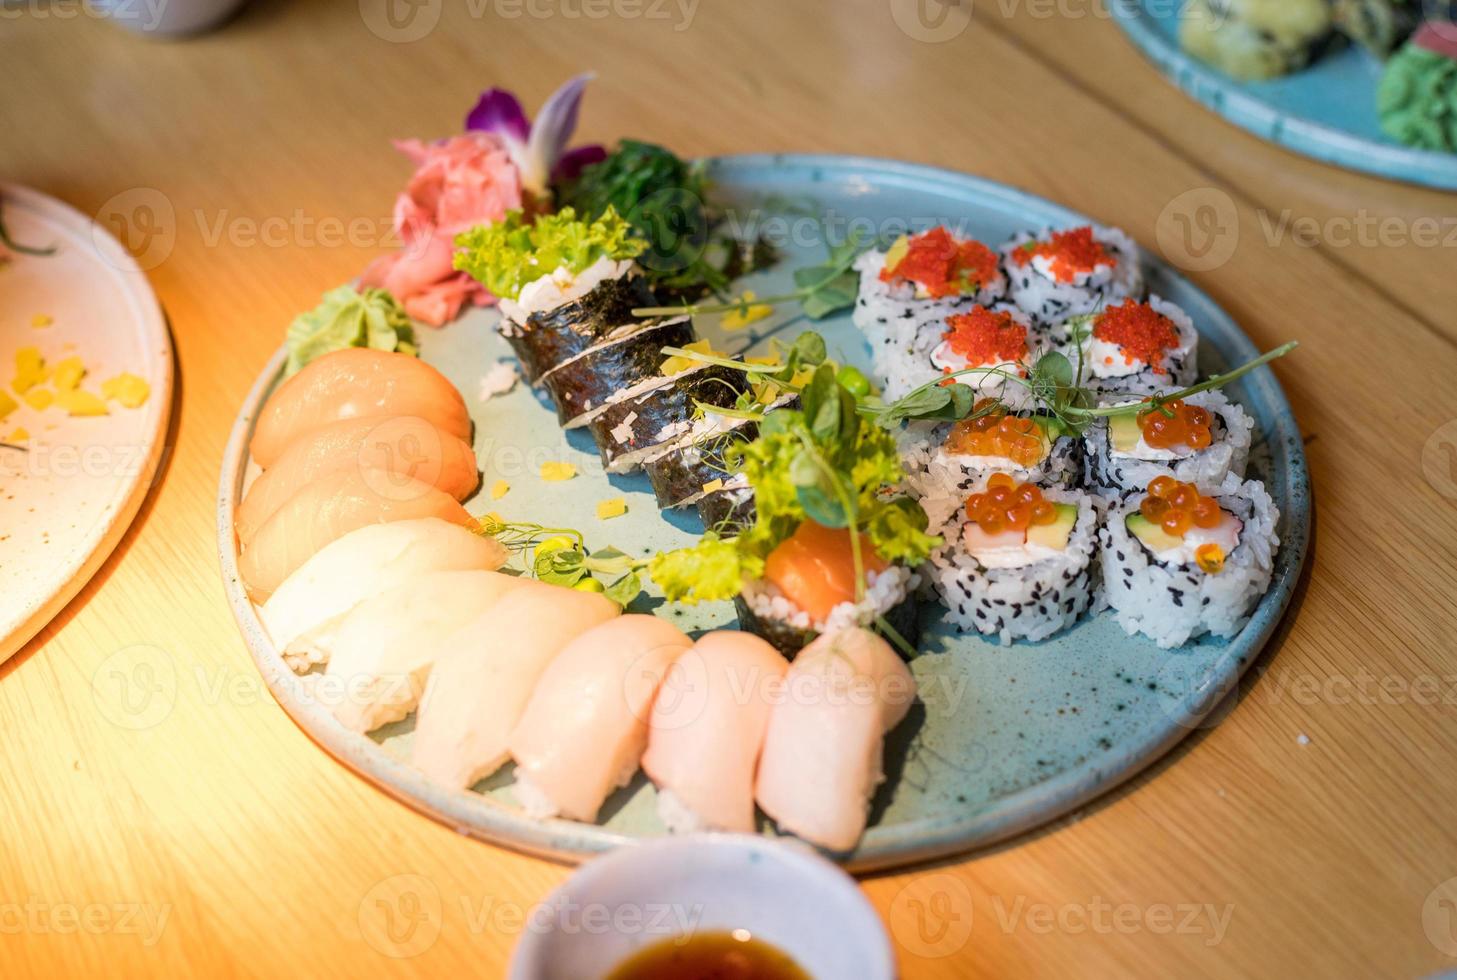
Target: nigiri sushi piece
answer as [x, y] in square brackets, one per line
[384, 647]
[823, 749]
[486, 673]
[329, 508]
[586, 726]
[402, 445]
[303, 615]
[706, 730]
[356, 382]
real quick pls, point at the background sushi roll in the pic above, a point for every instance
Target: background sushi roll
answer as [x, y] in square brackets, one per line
[1000, 338]
[889, 600]
[1162, 587]
[1028, 596]
[941, 474]
[903, 318]
[618, 369]
[631, 430]
[1121, 461]
[729, 508]
[697, 465]
[547, 338]
[1133, 347]
[1255, 40]
[1054, 275]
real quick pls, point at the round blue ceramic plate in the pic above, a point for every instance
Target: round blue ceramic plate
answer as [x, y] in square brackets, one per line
[1007, 737]
[1327, 111]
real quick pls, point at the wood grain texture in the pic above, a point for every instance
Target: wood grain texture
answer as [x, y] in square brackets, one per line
[152, 785]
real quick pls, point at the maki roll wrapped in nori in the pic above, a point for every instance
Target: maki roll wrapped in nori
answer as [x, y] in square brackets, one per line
[616, 369]
[1133, 347]
[631, 430]
[1255, 40]
[1054, 275]
[550, 337]
[1200, 439]
[728, 509]
[688, 470]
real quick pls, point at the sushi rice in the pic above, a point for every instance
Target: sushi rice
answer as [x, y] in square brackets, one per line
[1179, 370]
[1050, 302]
[884, 592]
[1172, 604]
[1112, 473]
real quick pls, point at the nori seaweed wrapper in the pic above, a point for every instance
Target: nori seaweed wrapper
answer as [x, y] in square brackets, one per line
[681, 473]
[643, 419]
[586, 383]
[903, 617]
[548, 338]
[726, 511]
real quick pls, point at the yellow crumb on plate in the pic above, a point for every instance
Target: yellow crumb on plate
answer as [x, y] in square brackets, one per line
[608, 509]
[21, 434]
[712, 485]
[7, 404]
[78, 402]
[677, 364]
[127, 389]
[40, 399]
[41, 320]
[499, 489]
[68, 374]
[30, 369]
[556, 472]
[746, 313]
[764, 360]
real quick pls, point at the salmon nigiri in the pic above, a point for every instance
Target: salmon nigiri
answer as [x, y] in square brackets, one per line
[485, 674]
[403, 444]
[328, 508]
[302, 615]
[822, 752]
[356, 382]
[706, 730]
[586, 725]
[384, 648]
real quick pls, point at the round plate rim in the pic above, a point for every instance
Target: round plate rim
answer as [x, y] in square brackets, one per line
[153, 323]
[1237, 104]
[479, 816]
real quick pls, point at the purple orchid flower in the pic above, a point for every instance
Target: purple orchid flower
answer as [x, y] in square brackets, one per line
[539, 150]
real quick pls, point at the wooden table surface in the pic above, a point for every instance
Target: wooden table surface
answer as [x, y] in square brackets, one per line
[1311, 833]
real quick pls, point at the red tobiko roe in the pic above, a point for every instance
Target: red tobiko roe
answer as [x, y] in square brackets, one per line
[984, 337]
[1072, 253]
[943, 265]
[1140, 331]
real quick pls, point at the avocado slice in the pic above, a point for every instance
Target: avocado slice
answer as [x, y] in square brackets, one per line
[1124, 433]
[898, 251]
[1055, 534]
[1155, 538]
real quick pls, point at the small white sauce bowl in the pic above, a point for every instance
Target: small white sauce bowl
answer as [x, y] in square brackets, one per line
[782, 892]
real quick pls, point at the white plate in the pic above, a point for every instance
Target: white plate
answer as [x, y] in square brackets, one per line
[67, 501]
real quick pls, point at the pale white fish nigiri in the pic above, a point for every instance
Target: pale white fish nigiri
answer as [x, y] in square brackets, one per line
[352, 383]
[822, 753]
[706, 730]
[384, 647]
[485, 674]
[302, 615]
[329, 508]
[403, 444]
[586, 725]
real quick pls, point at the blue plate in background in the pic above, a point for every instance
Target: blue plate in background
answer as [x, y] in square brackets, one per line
[1007, 738]
[1327, 111]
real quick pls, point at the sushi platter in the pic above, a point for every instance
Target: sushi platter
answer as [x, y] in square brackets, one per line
[603, 642]
[1328, 111]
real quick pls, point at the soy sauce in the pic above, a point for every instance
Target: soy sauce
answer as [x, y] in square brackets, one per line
[734, 955]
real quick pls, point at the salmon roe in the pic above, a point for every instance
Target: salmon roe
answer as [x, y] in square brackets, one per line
[1183, 425]
[983, 337]
[1139, 331]
[990, 431]
[1007, 505]
[1176, 507]
[944, 266]
[1070, 253]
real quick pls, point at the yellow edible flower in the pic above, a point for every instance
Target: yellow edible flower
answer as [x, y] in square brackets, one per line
[78, 402]
[30, 369]
[499, 489]
[740, 317]
[607, 509]
[126, 388]
[556, 472]
[68, 373]
[40, 399]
